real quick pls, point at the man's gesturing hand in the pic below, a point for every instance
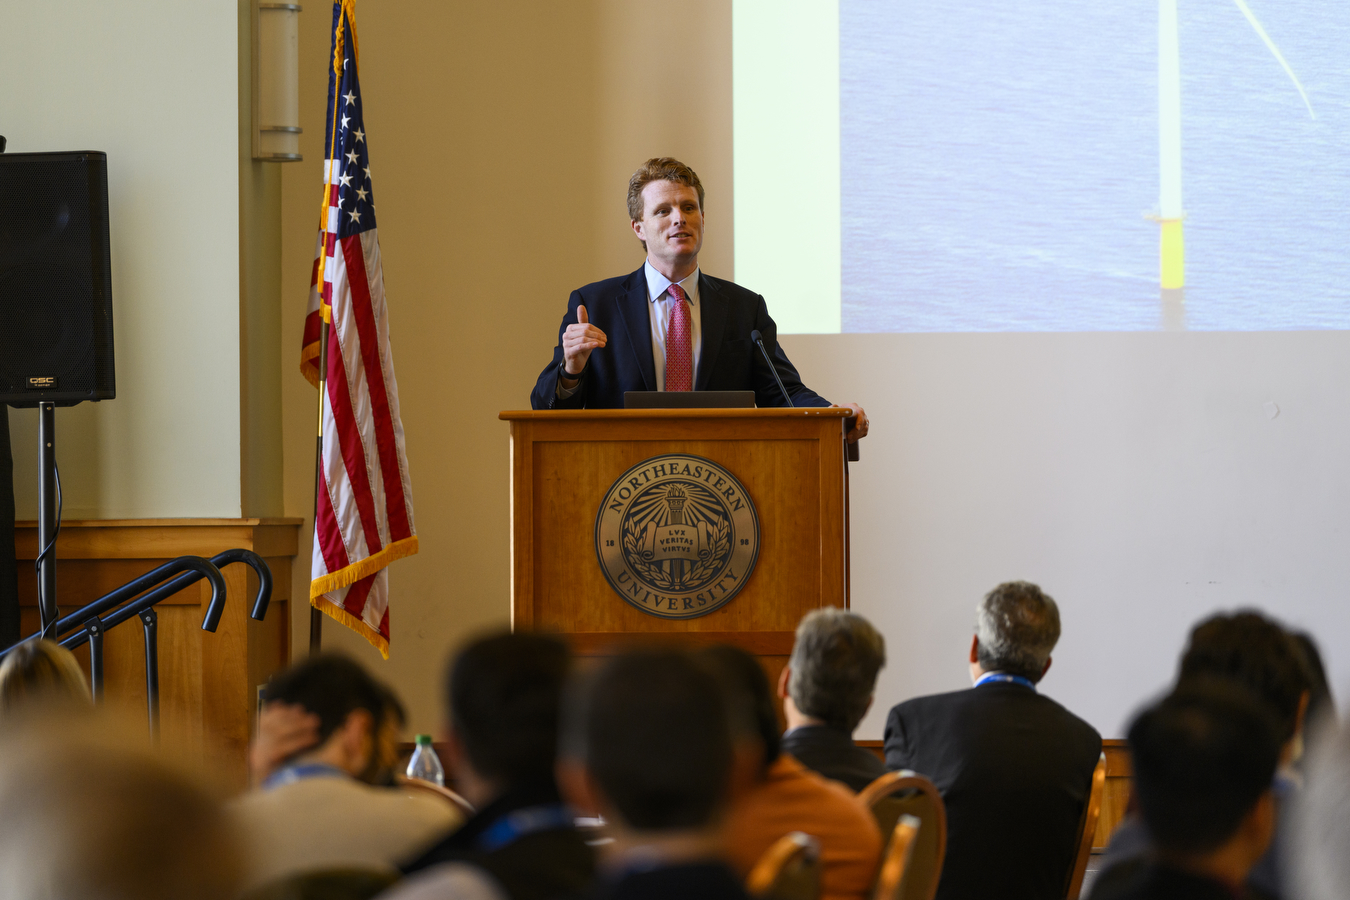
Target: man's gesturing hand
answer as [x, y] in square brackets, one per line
[578, 342]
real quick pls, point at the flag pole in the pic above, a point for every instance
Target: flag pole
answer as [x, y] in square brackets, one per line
[315, 616]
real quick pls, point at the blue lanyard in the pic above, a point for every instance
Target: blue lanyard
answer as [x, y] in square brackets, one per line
[292, 774]
[1010, 679]
[516, 825]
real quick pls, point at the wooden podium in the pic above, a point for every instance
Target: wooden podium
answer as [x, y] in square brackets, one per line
[789, 463]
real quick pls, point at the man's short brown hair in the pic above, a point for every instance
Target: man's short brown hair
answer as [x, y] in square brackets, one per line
[659, 168]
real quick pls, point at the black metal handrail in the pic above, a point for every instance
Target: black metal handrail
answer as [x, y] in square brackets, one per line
[89, 623]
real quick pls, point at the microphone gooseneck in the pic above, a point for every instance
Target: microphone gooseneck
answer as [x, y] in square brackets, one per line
[759, 341]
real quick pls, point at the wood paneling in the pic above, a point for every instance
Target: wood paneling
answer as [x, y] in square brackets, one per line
[208, 682]
[1119, 778]
[791, 463]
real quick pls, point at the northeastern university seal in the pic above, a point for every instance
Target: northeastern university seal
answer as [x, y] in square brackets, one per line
[677, 536]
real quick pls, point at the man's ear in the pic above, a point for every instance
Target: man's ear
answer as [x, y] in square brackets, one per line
[975, 649]
[356, 736]
[783, 678]
[747, 769]
[1048, 661]
[1258, 826]
[576, 786]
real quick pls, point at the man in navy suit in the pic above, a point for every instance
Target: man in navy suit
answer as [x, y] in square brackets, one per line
[668, 326]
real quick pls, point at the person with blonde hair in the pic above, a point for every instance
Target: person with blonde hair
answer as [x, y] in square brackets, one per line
[44, 671]
[92, 812]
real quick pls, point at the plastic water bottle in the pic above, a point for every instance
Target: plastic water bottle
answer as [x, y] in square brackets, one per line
[425, 764]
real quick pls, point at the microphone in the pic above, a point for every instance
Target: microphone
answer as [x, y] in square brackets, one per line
[759, 339]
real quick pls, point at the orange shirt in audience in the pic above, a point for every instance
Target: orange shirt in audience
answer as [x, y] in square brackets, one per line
[793, 798]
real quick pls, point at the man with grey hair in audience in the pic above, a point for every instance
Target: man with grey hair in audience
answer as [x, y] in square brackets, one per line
[827, 687]
[1014, 767]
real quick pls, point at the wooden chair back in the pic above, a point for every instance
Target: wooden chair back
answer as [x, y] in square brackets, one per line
[1087, 829]
[895, 862]
[418, 786]
[897, 794]
[789, 870]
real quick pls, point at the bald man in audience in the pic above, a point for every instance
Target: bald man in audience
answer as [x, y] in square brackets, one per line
[1013, 766]
[779, 795]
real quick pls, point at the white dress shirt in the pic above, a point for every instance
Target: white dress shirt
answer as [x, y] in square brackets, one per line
[658, 295]
[662, 302]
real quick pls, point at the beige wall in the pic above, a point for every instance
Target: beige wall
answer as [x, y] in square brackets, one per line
[154, 84]
[501, 139]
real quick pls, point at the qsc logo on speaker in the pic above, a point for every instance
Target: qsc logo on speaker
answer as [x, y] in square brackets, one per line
[42, 382]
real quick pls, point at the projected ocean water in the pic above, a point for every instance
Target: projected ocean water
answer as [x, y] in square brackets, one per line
[1000, 165]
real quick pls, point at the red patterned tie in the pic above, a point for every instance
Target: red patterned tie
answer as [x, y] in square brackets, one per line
[679, 344]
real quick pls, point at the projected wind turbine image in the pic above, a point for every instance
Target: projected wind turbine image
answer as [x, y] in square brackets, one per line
[997, 166]
[1170, 216]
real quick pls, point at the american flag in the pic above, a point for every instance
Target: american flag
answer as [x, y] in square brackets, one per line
[364, 517]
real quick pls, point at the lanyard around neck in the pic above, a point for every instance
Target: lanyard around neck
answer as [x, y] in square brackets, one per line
[1010, 679]
[291, 774]
[515, 825]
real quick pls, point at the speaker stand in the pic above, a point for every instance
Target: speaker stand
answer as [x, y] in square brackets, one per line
[48, 520]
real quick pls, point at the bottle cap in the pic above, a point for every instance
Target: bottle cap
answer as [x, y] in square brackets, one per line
[424, 740]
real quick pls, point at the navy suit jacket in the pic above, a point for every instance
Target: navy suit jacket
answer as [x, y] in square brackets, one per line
[729, 360]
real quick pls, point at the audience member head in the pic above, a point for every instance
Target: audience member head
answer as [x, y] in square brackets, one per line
[43, 673]
[1204, 761]
[1321, 832]
[1255, 652]
[504, 695]
[93, 813]
[754, 718]
[647, 742]
[833, 670]
[351, 707]
[1016, 628]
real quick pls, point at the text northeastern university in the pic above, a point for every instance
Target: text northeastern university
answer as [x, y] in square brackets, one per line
[677, 536]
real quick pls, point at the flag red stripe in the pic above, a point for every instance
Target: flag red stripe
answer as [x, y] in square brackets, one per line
[329, 534]
[384, 624]
[349, 438]
[385, 444]
[355, 601]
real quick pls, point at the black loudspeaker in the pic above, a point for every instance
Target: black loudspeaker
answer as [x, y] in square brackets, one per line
[56, 325]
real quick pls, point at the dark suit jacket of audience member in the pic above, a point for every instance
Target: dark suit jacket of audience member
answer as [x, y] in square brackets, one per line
[1014, 769]
[1163, 883]
[1131, 849]
[729, 361]
[696, 881]
[833, 754]
[538, 866]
